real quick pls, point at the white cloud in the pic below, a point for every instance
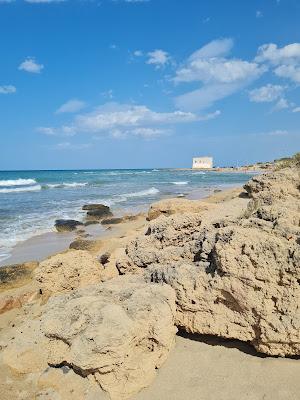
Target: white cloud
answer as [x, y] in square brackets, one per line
[7, 89]
[30, 65]
[71, 106]
[46, 130]
[122, 120]
[282, 104]
[285, 60]
[266, 93]
[138, 53]
[297, 109]
[219, 76]
[289, 71]
[289, 54]
[158, 57]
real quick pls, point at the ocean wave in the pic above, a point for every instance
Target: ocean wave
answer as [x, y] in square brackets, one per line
[17, 182]
[21, 189]
[143, 193]
[180, 183]
[62, 185]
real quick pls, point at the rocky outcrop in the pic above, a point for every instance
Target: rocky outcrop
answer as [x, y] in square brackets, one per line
[66, 225]
[116, 334]
[68, 271]
[173, 206]
[233, 278]
[118, 220]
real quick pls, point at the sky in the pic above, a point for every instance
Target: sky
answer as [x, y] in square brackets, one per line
[147, 83]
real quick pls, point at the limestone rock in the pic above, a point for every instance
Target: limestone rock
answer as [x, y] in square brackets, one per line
[68, 271]
[233, 278]
[118, 332]
[15, 275]
[172, 206]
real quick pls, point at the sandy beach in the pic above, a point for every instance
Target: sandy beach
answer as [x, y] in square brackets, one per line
[193, 366]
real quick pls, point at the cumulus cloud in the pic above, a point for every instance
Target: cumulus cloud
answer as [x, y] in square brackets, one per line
[285, 60]
[266, 94]
[219, 75]
[296, 109]
[7, 89]
[158, 58]
[288, 54]
[121, 120]
[71, 106]
[281, 104]
[30, 65]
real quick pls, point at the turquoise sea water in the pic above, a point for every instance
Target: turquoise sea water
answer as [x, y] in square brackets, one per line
[30, 201]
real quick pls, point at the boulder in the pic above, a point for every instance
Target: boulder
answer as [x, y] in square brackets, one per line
[119, 332]
[234, 278]
[68, 271]
[97, 211]
[178, 205]
[115, 334]
[66, 225]
[113, 221]
[82, 244]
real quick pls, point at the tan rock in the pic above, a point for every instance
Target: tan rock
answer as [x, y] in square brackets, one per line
[173, 206]
[118, 332]
[68, 271]
[234, 278]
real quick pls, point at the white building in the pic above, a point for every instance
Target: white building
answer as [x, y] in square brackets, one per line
[203, 162]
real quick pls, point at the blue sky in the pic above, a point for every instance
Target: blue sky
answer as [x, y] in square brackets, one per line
[136, 84]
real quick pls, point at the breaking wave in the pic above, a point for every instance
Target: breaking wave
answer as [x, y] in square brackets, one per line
[17, 182]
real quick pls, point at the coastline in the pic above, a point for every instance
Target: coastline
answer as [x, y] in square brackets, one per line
[40, 246]
[198, 367]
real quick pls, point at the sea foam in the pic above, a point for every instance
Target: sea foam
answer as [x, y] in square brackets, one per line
[17, 182]
[21, 189]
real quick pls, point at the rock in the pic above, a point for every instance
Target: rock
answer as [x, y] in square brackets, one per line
[81, 244]
[115, 334]
[118, 333]
[10, 300]
[16, 275]
[66, 225]
[104, 258]
[172, 206]
[89, 207]
[97, 211]
[68, 271]
[91, 222]
[112, 221]
[234, 278]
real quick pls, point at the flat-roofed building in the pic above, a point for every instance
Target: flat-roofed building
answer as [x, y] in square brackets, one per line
[202, 162]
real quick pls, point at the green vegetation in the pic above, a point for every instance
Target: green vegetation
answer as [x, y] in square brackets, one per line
[288, 161]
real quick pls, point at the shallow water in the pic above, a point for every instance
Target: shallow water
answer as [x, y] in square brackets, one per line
[30, 201]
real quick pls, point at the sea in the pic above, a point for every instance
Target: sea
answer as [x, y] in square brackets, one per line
[31, 201]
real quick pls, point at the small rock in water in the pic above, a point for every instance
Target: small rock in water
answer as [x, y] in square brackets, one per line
[66, 225]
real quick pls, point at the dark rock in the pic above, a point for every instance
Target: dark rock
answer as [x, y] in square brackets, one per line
[91, 207]
[112, 221]
[66, 225]
[104, 258]
[81, 244]
[16, 274]
[91, 222]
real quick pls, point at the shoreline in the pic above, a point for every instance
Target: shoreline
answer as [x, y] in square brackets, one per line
[121, 254]
[40, 246]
